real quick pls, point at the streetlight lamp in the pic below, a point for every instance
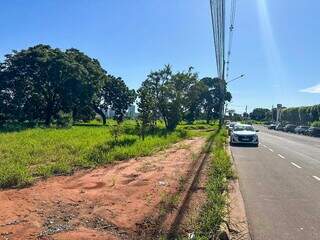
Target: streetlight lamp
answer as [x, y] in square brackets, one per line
[224, 105]
[241, 76]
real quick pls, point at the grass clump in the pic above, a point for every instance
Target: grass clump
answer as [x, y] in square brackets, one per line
[214, 210]
[14, 174]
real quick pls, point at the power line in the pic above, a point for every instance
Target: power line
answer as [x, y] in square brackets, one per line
[218, 26]
[231, 30]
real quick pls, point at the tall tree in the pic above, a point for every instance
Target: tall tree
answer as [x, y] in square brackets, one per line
[147, 109]
[36, 79]
[213, 97]
[116, 96]
[260, 114]
[170, 92]
[194, 100]
[87, 94]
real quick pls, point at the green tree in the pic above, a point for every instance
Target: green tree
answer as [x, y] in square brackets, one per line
[87, 93]
[147, 109]
[37, 80]
[194, 101]
[116, 96]
[214, 96]
[260, 114]
[5, 98]
[157, 86]
[169, 92]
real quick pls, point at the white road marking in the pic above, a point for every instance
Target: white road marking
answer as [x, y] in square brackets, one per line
[264, 145]
[296, 165]
[317, 178]
[281, 156]
[271, 150]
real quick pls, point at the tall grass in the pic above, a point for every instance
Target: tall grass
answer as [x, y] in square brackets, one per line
[42, 152]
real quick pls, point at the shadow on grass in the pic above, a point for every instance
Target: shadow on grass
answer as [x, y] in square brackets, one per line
[122, 149]
[90, 125]
[18, 127]
[100, 153]
[155, 131]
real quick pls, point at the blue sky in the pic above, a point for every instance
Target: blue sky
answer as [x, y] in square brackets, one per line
[276, 43]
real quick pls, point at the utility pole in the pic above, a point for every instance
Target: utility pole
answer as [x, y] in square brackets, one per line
[279, 108]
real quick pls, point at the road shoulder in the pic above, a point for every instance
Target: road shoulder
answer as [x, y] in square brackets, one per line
[237, 222]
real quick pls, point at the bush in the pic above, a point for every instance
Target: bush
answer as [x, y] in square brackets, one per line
[64, 120]
[316, 124]
[116, 131]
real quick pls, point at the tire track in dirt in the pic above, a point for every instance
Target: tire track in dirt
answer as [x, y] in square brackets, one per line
[171, 223]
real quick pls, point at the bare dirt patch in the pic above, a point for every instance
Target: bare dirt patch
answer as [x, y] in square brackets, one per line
[105, 203]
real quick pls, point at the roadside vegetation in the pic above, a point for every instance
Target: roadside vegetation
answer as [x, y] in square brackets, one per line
[214, 211]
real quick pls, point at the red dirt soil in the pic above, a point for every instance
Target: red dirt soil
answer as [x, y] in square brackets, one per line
[106, 203]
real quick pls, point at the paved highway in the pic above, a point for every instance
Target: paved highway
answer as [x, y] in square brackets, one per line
[280, 183]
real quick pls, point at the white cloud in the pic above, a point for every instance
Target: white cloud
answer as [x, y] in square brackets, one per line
[314, 89]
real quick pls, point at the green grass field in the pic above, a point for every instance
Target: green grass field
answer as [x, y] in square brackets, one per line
[26, 154]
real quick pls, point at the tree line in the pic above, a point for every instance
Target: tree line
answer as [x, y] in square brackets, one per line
[40, 83]
[305, 115]
[301, 115]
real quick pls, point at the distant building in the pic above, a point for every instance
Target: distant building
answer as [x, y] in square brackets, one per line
[110, 113]
[131, 111]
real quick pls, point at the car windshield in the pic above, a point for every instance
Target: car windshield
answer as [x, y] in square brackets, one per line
[243, 128]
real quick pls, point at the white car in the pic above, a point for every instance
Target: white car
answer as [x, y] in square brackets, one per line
[230, 127]
[244, 134]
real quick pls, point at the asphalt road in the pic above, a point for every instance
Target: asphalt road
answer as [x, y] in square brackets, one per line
[280, 184]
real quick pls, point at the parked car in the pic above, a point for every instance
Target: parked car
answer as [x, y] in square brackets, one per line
[230, 127]
[272, 126]
[244, 134]
[289, 128]
[301, 129]
[279, 127]
[314, 131]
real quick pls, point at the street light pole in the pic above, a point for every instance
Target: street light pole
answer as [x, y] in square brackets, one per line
[223, 86]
